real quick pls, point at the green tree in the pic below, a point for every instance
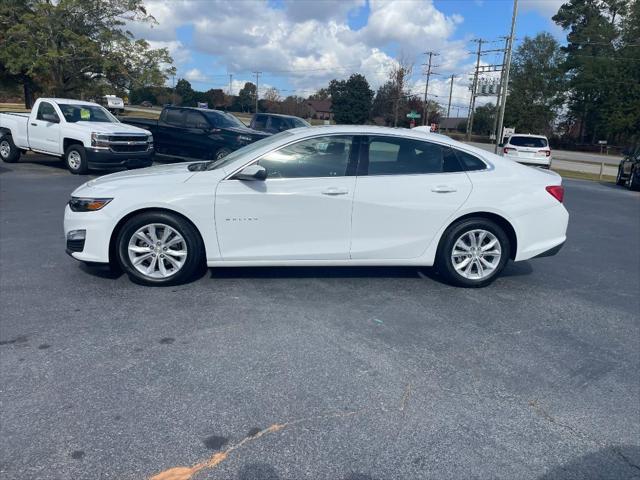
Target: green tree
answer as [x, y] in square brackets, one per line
[247, 96]
[321, 94]
[351, 99]
[186, 92]
[536, 86]
[76, 47]
[483, 119]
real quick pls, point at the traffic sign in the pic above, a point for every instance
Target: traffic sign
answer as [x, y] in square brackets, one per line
[413, 114]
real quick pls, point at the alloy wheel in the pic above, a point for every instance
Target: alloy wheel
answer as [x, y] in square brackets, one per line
[476, 254]
[5, 149]
[74, 159]
[157, 251]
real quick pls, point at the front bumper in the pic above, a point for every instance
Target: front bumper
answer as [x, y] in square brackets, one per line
[97, 227]
[98, 158]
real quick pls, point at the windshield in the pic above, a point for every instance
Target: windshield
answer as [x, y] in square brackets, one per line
[247, 150]
[298, 122]
[534, 142]
[86, 113]
[222, 119]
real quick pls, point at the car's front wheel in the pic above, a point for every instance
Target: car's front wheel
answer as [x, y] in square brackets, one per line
[473, 252]
[75, 158]
[158, 248]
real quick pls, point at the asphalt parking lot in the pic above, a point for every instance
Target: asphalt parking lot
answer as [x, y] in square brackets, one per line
[318, 373]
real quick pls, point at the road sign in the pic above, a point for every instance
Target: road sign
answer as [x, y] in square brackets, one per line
[413, 114]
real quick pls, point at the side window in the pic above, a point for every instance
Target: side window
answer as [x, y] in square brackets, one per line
[194, 120]
[404, 156]
[277, 124]
[45, 108]
[313, 157]
[469, 162]
[174, 117]
[260, 122]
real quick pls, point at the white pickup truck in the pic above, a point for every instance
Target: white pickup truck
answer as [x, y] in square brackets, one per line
[85, 135]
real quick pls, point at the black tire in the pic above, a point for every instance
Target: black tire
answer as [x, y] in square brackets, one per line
[444, 263]
[222, 152]
[8, 150]
[619, 179]
[194, 262]
[75, 158]
[634, 179]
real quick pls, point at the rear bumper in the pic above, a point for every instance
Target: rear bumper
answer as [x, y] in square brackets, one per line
[531, 162]
[541, 232]
[99, 158]
[551, 252]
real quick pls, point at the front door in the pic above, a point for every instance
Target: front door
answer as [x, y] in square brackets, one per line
[302, 211]
[44, 134]
[406, 190]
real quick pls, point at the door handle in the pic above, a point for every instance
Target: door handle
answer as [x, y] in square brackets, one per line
[34, 124]
[335, 191]
[443, 189]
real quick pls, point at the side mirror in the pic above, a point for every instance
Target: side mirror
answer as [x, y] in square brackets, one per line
[501, 145]
[251, 173]
[50, 117]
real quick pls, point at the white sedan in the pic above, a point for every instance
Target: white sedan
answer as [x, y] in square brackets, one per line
[330, 195]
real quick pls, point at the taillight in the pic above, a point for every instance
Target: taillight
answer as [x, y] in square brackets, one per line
[507, 149]
[557, 191]
[546, 152]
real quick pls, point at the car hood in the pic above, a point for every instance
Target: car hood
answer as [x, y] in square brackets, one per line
[107, 127]
[173, 173]
[248, 131]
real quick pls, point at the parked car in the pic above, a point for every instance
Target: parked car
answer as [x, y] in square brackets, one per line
[335, 195]
[197, 132]
[84, 134]
[528, 149]
[274, 123]
[629, 169]
[146, 104]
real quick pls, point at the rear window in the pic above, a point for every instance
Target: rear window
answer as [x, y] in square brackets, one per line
[469, 162]
[534, 142]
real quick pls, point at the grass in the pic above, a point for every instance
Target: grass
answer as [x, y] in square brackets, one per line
[12, 107]
[584, 175]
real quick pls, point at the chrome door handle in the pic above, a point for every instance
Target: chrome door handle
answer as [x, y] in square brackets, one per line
[335, 191]
[443, 189]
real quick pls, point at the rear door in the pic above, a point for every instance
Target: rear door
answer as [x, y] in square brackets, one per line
[406, 190]
[44, 134]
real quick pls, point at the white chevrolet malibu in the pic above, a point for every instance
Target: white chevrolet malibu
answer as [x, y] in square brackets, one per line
[331, 195]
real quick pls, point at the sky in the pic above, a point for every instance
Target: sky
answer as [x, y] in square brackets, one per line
[300, 45]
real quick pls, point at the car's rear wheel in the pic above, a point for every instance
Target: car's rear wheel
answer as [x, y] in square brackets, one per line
[158, 248]
[473, 252]
[8, 150]
[75, 158]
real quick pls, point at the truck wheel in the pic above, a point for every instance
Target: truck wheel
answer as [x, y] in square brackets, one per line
[76, 159]
[8, 150]
[634, 180]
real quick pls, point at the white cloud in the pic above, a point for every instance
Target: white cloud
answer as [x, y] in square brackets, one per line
[547, 8]
[178, 51]
[305, 42]
[195, 75]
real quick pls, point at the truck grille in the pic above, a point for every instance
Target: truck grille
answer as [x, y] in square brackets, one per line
[127, 138]
[129, 148]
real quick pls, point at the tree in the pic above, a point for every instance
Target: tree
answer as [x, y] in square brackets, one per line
[536, 86]
[271, 100]
[216, 98]
[399, 76]
[185, 91]
[483, 119]
[77, 47]
[601, 51]
[322, 94]
[351, 99]
[247, 96]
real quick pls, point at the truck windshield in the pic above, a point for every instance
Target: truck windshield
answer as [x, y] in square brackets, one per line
[222, 119]
[247, 150]
[86, 113]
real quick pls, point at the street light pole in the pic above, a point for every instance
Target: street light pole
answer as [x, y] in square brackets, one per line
[505, 88]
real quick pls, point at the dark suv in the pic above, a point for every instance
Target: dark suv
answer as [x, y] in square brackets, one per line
[274, 123]
[629, 169]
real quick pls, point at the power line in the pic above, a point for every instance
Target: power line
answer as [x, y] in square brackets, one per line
[425, 110]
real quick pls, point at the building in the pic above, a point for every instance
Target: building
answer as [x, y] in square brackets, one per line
[320, 109]
[452, 123]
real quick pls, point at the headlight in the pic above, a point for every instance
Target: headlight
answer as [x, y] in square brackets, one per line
[99, 140]
[244, 138]
[149, 138]
[87, 204]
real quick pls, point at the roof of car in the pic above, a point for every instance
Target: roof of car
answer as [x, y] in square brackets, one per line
[276, 115]
[531, 135]
[68, 101]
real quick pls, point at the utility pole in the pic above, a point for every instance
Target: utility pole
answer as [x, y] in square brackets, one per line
[173, 97]
[450, 94]
[499, 94]
[425, 110]
[230, 84]
[257, 84]
[472, 102]
[505, 87]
